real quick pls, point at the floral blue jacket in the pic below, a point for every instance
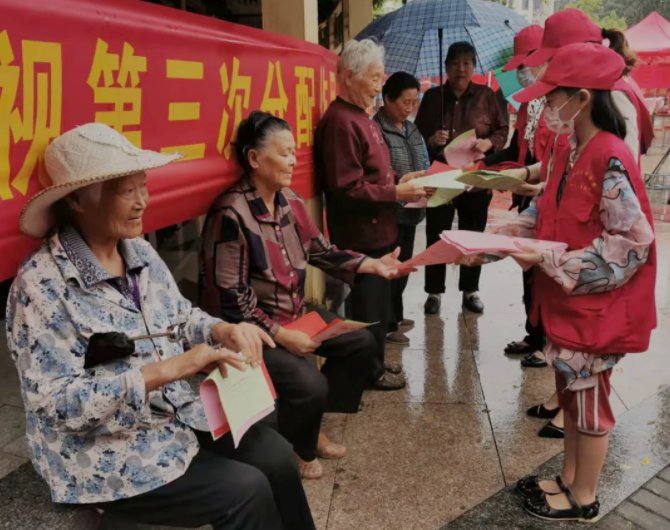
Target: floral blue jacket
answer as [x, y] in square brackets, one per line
[94, 434]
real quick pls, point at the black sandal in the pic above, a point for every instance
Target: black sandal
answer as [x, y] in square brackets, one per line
[551, 431]
[518, 348]
[541, 508]
[530, 488]
[531, 361]
[542, 412]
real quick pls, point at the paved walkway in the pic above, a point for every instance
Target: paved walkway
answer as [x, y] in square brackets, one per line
[648, 508]
[438, 452]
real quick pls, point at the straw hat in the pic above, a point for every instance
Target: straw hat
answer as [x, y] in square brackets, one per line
[87, 154]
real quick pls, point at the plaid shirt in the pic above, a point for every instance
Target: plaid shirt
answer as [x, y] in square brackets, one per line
[253, 264]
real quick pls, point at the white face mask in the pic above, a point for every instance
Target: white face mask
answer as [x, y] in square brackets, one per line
[525, 77]
[554, 122]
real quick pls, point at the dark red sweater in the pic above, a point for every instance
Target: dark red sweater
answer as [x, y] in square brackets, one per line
[353, 168]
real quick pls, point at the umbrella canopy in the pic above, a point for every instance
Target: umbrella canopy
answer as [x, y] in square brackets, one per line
[410, 34]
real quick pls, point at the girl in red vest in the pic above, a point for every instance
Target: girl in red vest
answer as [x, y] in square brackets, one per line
[570, 26]
[595, 299]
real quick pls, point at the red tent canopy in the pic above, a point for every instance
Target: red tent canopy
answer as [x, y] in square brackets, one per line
[650, 35]
[650, 38]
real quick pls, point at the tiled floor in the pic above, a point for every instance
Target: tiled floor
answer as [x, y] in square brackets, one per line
[420, 457]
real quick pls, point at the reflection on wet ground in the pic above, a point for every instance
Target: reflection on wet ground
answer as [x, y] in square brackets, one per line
[458, 434]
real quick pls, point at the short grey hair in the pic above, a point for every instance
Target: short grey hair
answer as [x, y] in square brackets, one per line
[358, 55]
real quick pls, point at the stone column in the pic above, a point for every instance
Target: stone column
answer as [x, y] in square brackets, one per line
[359, 15]
[297, 18]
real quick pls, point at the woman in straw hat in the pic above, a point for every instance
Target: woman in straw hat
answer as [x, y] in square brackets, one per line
[117, 428]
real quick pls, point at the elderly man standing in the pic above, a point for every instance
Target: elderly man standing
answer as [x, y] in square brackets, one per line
[354, 170]
[465, 106]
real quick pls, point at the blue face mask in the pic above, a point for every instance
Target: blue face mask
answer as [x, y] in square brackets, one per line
[554, 122]
[525, 77]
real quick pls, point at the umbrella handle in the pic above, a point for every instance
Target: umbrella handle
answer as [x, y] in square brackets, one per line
[440, 32]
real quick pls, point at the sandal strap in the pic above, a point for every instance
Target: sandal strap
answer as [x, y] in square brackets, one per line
[559, 481]
[571, 499]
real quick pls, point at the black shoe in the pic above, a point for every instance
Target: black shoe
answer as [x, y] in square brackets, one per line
[519, 348]
[432, 305]
[542, 412]
[551, 431]
[530, 488]
[390, 381]
[539, 507]
[531, 361]
[394, 368]
[473, 303]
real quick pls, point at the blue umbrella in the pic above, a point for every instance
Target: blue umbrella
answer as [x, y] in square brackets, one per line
[410, 34]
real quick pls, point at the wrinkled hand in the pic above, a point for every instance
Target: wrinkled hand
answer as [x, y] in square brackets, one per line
[529, 190]
[387, 266]
[439, 138]
[411, 176]
[244, 338]
[483, 145]
[407, 192]
[203, 357]
[296, 342]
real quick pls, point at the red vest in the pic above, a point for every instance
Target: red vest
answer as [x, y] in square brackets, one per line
[645, 126]
[617, 321]
[554, 143]
[543, 140]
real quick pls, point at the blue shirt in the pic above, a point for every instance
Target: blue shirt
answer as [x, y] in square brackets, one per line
[94, 434]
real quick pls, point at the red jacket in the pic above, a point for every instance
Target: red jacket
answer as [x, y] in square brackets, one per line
[617, 321]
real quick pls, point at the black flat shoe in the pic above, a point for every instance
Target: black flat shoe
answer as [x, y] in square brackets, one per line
[530, 361]
[519, 348]
[530, 488]
[540, 411]
[585, 514]
[473, 303]
[432, 305]
[551, 431]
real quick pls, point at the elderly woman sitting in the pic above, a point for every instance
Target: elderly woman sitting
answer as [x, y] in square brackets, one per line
[125, 431]
[257, 242]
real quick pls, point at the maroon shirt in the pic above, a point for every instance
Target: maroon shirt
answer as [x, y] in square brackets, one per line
[353, 167]
[476, 109]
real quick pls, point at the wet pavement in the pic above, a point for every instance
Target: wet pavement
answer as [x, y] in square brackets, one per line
[445, 450]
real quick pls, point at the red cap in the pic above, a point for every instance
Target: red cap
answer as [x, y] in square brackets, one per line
[579, 65]
[565, 27]
[526, 41]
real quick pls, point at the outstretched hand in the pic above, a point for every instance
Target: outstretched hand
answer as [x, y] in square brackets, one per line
[387, 266]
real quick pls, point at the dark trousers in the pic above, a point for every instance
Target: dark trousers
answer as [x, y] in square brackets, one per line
[472, 211]
[406, 235]
[534, 334]
[256, 486]
[370, 301]
[304, 393]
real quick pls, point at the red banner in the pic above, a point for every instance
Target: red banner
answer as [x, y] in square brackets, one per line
[169, 80]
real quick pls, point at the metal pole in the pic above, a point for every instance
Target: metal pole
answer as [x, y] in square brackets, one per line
[440, 31]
